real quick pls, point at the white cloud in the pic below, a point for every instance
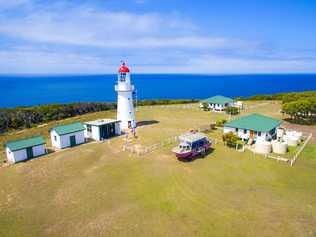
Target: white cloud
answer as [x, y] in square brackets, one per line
[83, 39]
[89, 27]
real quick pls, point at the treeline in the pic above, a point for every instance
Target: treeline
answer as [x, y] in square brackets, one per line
[26, 117]
[300, 106]
[284, 97]
[165, 102]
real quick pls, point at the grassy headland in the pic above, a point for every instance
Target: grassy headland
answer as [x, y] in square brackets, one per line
[99, 190]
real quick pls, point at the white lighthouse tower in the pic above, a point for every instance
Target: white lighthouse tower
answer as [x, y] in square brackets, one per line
[125, 105]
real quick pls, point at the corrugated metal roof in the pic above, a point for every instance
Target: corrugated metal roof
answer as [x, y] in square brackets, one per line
[69, 128]
[192, 137]
[255, 122]
[218, 99]
[100, 122]
[24, 143]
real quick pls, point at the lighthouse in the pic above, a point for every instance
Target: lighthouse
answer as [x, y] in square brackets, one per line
[125, 105]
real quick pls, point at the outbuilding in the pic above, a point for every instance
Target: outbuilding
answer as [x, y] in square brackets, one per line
[25, 149]
[68, 135]
[102, 129]
[253, 126]
[218, 103]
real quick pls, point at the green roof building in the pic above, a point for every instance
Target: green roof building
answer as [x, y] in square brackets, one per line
[24, 149]
[218, 102]
[253, 126]
[68, 135]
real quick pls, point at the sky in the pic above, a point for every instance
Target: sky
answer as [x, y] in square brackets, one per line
[157, 36]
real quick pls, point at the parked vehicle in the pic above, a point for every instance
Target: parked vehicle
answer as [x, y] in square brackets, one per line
[192, 144]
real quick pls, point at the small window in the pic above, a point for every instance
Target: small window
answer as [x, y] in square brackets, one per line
[259, 134]
[236, 129]
[55, 138]
[245, 131]
[89, 129]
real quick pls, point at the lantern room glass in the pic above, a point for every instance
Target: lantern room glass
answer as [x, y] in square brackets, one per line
[122, 77]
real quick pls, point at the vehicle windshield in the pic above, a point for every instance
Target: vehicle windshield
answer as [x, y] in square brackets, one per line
[184, 147]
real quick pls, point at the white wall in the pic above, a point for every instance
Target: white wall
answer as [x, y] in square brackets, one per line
[21, 155]
[117, 129]
[38, 150]
[55, 143]
[94, 134]
[64, 140]
[246, 135]
[125, 109]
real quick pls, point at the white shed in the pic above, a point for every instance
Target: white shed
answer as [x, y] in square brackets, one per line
[102, 129]
[25, 149]
[68, 135]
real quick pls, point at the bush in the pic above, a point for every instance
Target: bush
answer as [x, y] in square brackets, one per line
[232, 110]
[220, 122]
[205, 106]
[230, 138]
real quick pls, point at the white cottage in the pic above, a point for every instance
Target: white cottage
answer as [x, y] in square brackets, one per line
[25, 149]
[253, 126]
[67, 135]
[102, 129]
[218, 103]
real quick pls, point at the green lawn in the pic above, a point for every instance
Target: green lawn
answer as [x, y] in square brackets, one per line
[99, 190]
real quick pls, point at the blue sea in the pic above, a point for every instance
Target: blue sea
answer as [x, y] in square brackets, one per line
[35, 90]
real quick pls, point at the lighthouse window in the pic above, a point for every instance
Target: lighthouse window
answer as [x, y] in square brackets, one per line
[122, 76]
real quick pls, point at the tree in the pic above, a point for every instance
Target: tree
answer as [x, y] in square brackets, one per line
[220, 122]
[205, 106]
[301, 110]
[231, 110]
[230, 138]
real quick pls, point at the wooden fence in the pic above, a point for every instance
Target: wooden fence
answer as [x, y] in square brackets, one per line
[301, 149]
[142, 150]
[296, 155]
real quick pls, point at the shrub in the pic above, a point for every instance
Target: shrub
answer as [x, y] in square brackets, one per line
[205, 106]
[230, 138]
[220, 122]
[231, 110]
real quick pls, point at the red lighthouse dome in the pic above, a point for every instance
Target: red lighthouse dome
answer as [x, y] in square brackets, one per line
[123, 68]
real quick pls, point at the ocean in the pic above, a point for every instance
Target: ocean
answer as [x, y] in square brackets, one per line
[34, 90]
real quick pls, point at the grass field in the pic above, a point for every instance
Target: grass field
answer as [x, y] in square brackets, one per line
[98, 190]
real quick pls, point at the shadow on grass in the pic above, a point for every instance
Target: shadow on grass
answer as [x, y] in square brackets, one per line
[191, 159]
[146, 122]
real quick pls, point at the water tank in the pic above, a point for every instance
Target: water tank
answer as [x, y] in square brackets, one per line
[279, 147]
[263, 147]
[280, 132]
[295, 134]
[291, 140]
[239, 104]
